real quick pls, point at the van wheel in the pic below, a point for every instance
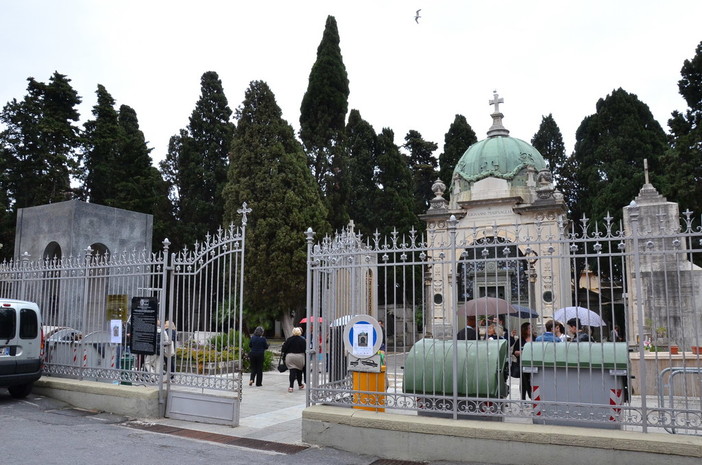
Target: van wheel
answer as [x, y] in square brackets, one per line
[20, 391]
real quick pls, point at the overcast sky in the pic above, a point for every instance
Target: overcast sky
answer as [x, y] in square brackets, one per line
[542, 57]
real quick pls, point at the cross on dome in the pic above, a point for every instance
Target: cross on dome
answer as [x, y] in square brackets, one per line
[496, 101]
[497, 129]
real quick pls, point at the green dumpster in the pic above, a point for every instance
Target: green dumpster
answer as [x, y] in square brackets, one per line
[577, 384]
[428, 373]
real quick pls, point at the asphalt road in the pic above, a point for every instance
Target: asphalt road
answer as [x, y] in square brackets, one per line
[41, 431]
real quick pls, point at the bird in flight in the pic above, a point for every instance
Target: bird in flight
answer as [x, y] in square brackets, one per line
[416, 16]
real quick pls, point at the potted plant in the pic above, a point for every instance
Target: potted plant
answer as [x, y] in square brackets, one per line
[661, 341]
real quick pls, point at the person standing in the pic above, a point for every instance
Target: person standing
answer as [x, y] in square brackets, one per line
[169, 355]
[258, 345]
[294, 355]
[468, 333]
[548, 335]
[576, 329]
[616, 334]
[525, 378]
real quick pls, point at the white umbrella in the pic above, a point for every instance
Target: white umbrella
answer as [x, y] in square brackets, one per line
[587, 317]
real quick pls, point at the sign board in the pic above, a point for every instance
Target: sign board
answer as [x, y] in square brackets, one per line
[363, 336]
[367, 365]
[142, 325]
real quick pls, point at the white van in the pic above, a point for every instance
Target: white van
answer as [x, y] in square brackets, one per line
[21, 345]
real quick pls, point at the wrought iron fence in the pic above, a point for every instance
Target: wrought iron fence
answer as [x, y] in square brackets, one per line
[200, 292]
[635, 287]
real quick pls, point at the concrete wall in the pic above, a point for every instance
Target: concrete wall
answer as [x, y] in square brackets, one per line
[75, 225]
[409, 437]
[130, 401]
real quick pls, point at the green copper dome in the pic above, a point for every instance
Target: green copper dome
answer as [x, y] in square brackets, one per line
[498, 156]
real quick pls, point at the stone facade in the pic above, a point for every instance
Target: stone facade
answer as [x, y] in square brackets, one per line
[67, 229]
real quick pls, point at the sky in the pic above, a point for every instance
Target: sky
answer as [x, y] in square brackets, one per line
[543, 57]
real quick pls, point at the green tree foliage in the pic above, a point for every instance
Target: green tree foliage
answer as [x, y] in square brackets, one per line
[141, 187]
[459, 137]
[102, 138]
[548, 140]
[423, 166]
[268, 170]
[361, 146]
[118, 166]
[683, 162]
[196, 164]
[40, 142]
[322, 122]
[609, 151]
[394, 204]
[39, 148]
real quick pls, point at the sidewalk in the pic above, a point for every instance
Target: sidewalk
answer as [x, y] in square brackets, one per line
[268, 413]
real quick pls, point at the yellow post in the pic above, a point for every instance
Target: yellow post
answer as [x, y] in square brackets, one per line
[371, 382]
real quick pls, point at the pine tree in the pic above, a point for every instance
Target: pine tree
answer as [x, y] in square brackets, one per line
[322, 121]
[423, 167]
[459, 137]
[268, 170]
[196, 164]
[683, 162]
[609, 151]
[40, 143]
[361, 146]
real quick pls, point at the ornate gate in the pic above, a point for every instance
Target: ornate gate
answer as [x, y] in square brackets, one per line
[85, 304]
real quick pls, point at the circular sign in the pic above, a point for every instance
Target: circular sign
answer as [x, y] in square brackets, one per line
[363, 336]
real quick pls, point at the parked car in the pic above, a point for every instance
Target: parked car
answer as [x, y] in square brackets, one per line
[21, 346]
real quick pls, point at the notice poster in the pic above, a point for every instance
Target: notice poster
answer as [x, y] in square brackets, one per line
[116, 331]
[363, 340]
[142, 325]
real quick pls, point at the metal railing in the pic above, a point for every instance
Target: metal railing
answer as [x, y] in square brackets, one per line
[200, 294]
[642, 279]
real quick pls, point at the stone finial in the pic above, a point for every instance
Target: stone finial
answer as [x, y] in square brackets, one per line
[438, 202]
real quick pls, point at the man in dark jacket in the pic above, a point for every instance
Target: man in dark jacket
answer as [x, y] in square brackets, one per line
[468, 333]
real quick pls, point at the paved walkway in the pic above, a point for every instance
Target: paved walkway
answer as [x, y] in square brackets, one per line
[268, 413]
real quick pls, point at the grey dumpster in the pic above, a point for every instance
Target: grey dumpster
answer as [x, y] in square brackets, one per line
[428, 373]
[577, 384]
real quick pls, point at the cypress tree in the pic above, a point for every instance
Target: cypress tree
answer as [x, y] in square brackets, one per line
[423, 167]
[609, 151]
[102, 139]
[196, 164]
[549, 142]
[394, 204]
[459, 137]
[361, 146]
[268, 170]
[683, 162]
[322, 122]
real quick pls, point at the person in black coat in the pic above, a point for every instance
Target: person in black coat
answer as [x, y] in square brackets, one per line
[468, 333]
[258, 345]
[294, 355]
